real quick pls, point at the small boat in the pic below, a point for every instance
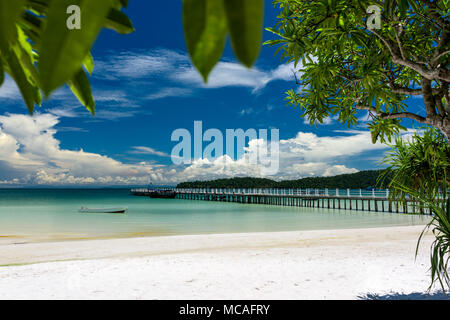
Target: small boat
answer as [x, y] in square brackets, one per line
[103, 210]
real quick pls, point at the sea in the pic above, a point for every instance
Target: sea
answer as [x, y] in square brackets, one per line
[52, 214]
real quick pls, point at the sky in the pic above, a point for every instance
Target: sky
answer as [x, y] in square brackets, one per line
[145, 88]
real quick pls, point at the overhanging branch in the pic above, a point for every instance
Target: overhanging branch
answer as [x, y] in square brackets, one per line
[398, 115]
[435, 74]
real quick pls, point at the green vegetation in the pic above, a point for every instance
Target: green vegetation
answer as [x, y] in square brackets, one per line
[347, 66]
[207, 24]
[440, 248]
[420, 168]
[41, 53]
[360, 180]
[422, 164]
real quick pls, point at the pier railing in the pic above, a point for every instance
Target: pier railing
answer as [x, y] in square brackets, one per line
[329, 198]
[290, 192]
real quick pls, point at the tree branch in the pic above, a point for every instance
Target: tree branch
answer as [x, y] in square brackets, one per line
[406, 91]
[398, 115]
[402, 115]
[436, 74]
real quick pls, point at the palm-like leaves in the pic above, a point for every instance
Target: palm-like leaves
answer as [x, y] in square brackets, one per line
[419, 169]
[440, 227]
[421, 164]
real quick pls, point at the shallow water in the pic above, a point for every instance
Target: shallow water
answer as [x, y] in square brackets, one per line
[53, 214]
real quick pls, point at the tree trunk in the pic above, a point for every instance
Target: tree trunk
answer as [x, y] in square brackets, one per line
[444, 127]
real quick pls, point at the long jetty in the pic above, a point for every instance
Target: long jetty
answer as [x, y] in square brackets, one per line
[355, 199]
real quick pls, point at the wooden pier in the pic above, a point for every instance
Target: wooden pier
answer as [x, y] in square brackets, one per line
[338, 199]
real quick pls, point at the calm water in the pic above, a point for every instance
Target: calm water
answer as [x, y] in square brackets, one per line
[50, 214]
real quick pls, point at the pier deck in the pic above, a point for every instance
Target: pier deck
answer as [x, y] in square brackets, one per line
[358, 200]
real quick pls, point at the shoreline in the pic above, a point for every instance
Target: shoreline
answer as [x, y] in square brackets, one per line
[323, 264]
[69, 248]
[29, 238]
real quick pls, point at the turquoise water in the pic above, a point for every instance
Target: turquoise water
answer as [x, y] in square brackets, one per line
[50, 214]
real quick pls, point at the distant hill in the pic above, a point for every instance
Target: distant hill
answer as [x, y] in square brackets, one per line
[359, 180]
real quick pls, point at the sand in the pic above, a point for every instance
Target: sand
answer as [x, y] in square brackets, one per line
[331, 264]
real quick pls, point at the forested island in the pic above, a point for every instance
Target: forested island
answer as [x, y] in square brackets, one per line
[359, 180]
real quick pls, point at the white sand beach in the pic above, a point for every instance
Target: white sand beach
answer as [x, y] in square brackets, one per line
[331, 264]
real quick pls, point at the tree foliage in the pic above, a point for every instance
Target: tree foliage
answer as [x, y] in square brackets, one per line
[207, 24]
[420, 168]
[41, 53]
[440, 247]
[347, 66]
[421, 164]
[359, 180]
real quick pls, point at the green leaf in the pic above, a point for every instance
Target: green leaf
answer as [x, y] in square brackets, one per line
[119, 22]
[414, 5]
[205, 30]
[403, 7]
[62, 51]
[245, 21]
[2, 73]
[88, 63]
[375, 135]
[10, 11]
[81, 87]
[23, 78]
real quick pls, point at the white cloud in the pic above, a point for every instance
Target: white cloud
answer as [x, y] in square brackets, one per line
[172, 66]
[169, 92]
[314, 169]
[9, 89]
[232, 74]
[311, 147]
[149, 151]
[327, 121]
[28, 144]
[64, 112]
[285, 72]
[306, 155]
[139, 64]
[32, 155]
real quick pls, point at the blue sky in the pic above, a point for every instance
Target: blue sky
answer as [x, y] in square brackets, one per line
[145, 88]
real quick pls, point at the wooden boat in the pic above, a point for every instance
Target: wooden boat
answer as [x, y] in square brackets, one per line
[103, 210]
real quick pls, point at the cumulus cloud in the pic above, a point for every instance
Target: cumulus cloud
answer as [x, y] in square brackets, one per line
[28, 144]
[311, 147]
[306, 155]
[313, 169]
[32, 155]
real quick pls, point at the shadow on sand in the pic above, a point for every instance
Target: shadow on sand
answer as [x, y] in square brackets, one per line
[439, 295]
